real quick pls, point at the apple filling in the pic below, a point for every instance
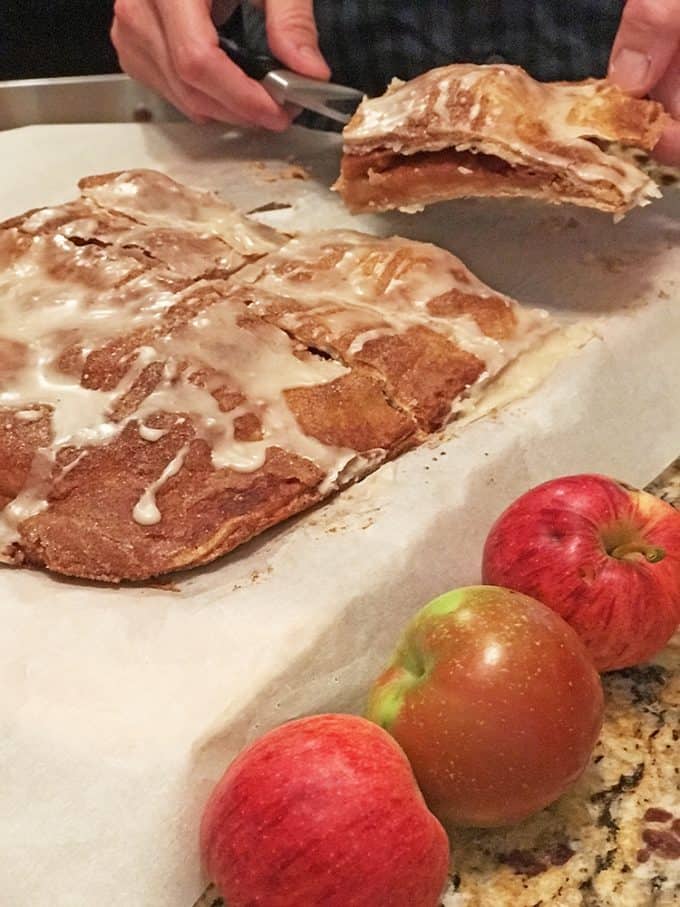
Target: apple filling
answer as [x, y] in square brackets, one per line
[381, 179]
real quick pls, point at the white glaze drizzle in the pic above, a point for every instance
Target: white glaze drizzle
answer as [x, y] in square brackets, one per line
[259, 358]
[377, 287]
[154, 199]
[403, 121]
[146, 511]
[55, 295]
[28, 415]
[151, 434]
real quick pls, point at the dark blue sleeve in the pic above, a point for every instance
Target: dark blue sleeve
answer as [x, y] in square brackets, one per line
[367, 43]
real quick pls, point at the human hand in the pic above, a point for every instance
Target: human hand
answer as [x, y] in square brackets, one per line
[172, 46]
[645, 60]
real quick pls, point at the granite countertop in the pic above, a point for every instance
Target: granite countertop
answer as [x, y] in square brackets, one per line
[614, 840]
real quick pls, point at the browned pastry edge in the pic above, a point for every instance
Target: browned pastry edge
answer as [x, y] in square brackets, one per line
[98, 179]
[412, 161]
[637, 122]
[609, 114]
[423, 372]
[87, 530]
[402, 385]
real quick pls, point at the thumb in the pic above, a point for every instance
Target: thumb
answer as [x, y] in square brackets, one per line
[645, 43]
[292, 35]
[667, 150]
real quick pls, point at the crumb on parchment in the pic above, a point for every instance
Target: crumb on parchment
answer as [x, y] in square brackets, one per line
[271, 174]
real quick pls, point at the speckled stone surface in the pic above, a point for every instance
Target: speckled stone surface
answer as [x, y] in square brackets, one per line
[614, 840]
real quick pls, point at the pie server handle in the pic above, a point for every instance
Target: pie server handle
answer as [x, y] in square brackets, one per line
[337, 102]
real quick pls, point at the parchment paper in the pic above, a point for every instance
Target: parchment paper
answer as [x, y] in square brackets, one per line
[119, 708]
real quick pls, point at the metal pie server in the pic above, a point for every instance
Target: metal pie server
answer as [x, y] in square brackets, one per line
[337, 102]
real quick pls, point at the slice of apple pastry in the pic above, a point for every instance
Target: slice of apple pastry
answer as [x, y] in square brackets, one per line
[466, 130]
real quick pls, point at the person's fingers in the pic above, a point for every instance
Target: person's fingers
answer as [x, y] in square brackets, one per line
[134, 26]
[138, 41]
[292, 36]
[668, 92]
[240, 98]
[198, 62]
[645, 43]
[667, 150]
[200, 108]
[667, 89]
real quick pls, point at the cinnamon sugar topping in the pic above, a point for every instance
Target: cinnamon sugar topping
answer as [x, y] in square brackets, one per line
[175, 378]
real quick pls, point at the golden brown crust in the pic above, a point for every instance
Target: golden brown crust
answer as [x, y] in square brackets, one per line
[87, 530]
[493, 315]
[329, 412]
[154, 416]
[19, 440]
[424, 371]
[492, 130]
[619, 117]
[368, 301]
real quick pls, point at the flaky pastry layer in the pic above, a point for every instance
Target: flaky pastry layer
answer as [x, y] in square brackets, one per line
[174, 378]
[465, 130]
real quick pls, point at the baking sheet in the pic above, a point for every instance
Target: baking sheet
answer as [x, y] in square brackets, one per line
[120, 707]
[81, 99]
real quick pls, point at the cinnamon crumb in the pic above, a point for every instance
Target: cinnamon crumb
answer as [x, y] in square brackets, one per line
[290, 172]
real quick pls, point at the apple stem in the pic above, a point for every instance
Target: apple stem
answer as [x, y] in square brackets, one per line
[649, 552]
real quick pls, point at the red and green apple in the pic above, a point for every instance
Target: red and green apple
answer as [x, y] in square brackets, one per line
[496, 703]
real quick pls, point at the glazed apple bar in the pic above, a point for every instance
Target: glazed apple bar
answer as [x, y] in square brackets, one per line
[466, 130]
[407, 310]
[174, 378]
[147, 214]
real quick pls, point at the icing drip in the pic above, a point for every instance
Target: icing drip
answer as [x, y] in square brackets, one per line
[258, 358]
[145, 511]
[376, 287]
[151, 434]
[61, 302]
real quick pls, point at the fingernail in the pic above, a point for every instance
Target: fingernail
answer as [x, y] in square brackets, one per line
[312, 56]
[309, 53]
[630, 68]
[276, 123]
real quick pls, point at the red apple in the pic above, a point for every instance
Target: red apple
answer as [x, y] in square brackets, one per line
[606, 557]
[494, 700]
[323, 812]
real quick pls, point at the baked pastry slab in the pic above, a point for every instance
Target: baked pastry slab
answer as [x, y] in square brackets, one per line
[144, 212]
[466, 130]
[409, 311]
[164, 400]
[207, 416]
